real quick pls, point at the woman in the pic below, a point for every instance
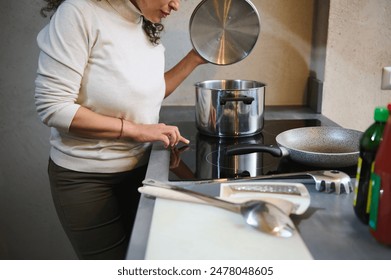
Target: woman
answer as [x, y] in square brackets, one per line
[100, 85]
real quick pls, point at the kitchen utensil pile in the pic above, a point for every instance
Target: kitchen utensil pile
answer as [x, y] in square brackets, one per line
[264, 205]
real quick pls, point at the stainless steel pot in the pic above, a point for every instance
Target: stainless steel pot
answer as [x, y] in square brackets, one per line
[224, 32]
[230, 108]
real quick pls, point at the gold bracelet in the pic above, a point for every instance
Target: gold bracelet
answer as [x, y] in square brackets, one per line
[122, 129]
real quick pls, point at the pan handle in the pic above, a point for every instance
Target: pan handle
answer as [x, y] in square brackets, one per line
[253, 148]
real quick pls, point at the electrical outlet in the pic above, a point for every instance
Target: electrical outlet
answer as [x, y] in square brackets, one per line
[386, 78]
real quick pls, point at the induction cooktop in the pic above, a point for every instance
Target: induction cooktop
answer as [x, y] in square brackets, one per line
[204, 158]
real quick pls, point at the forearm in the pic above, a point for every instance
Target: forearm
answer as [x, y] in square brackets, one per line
[87, 123]
[175, 76]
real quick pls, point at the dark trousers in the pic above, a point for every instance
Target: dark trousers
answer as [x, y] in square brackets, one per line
[96, 210]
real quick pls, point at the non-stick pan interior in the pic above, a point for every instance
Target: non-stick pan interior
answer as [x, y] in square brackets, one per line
[323, 140]
[322, 146]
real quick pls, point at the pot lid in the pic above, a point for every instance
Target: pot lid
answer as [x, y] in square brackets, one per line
[224, 32]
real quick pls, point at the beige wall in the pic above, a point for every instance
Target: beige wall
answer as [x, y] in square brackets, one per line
[359, 46]
[280, 59]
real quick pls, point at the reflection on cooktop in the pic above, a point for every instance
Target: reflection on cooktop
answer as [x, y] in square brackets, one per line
[204, 158]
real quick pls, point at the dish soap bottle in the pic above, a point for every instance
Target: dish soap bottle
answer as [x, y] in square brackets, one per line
[380, 214]
[369, 144]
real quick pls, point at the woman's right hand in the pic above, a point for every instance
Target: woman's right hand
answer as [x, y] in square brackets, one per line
[168, 134]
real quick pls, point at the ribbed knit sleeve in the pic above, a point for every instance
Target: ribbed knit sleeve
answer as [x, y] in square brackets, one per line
[65, 44]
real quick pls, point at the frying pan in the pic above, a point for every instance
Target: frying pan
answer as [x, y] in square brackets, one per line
[224, 32]
[320, 146]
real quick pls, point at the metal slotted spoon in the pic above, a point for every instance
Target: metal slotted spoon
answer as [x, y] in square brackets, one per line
[332, 180]
[325, 180]
[261, 215]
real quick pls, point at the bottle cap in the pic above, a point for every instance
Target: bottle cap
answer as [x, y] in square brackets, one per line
[381, 114]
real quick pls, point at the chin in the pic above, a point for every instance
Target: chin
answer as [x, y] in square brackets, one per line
[157, 20]
[154, 19]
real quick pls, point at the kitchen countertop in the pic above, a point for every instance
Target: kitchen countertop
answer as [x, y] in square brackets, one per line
[329, 228]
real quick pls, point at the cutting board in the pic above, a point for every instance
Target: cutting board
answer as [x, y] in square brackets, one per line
[190, 231]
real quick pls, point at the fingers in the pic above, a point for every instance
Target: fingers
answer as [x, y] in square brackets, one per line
[173, 136]
[173, 139]
[168, 134]
[184, 140]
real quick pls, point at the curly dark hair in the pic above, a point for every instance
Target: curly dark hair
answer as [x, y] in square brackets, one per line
[151, 29]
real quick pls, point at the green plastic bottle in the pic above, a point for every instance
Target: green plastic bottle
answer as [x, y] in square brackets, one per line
[369, 144]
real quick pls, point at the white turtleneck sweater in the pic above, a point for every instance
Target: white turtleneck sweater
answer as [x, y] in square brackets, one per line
[95, 54]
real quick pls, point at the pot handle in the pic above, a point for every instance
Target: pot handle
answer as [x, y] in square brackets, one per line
[245, 99]
[253, 148]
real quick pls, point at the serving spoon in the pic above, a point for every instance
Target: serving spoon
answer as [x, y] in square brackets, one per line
[261, 215]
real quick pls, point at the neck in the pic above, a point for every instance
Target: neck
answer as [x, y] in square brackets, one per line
[134, 2]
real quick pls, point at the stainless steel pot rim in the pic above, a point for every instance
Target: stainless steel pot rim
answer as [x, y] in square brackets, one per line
[214, 84]
[224, 32]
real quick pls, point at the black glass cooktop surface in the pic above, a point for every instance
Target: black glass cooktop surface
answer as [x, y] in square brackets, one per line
[205, 159]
